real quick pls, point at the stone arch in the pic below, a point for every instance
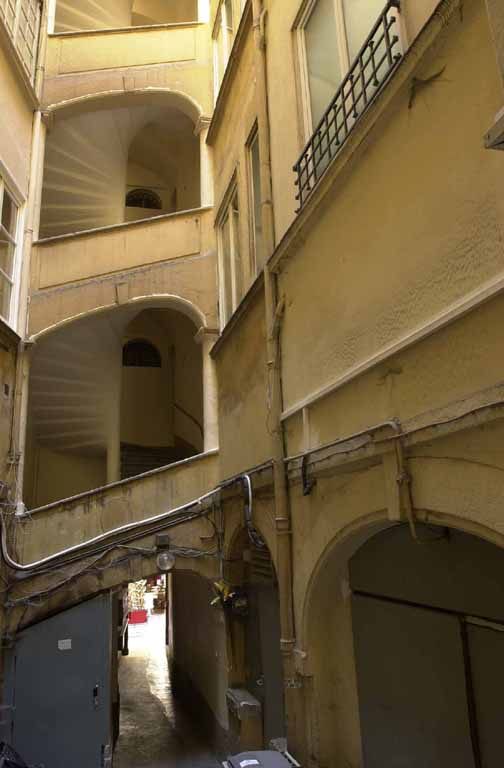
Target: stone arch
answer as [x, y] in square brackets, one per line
[161, 301]
[326, 634]
[149, 95]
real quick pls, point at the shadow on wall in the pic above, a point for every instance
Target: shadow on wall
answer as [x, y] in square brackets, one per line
[77, 15]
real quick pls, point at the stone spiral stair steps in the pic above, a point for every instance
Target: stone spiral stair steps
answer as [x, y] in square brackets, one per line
[75, 15]
[86, 163]
[69, 391]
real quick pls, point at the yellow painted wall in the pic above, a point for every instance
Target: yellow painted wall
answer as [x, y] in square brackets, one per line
[200, 646]
[67, 260]
[69, 473]
[241, 372]
[288, 131]
[122, 61]
[412, 228]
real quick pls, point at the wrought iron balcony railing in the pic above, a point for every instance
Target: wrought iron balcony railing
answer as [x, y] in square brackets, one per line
[372, 67]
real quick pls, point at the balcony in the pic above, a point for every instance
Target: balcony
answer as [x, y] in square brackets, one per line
[374, 64]
[96, 50]
[68, 522]
[117, 248]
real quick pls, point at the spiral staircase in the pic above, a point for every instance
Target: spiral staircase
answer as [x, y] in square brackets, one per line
[87, 158]
[91, 14]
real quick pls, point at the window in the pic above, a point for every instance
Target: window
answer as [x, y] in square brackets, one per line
[139, 353]
[348, 49]
[223, 36]
[230, 267]
[332, 33]
[22, 20]
[8, 243]
[143, 198]
[255, 202]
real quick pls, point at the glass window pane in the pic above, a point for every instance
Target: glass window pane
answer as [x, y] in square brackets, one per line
[5, 296]
[221, 56]
[226, 266]
[256, 203]
[235, 219]
[6, 257]
[9, 213]
[360, 16]
[229, 14]
[322, 58]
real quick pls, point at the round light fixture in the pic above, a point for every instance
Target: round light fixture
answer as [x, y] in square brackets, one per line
[165, 561]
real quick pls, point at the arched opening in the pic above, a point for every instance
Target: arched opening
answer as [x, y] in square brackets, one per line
[407, 654]
[143, 198]
[163, 169]
[112, 396]
[73, 16]
[114, 163]
[139, 353]
[161, 392]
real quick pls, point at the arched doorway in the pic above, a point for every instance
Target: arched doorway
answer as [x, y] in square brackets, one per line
[255, 634]
[92, 419]
[103, 149]
[161, 392]
[428, 628]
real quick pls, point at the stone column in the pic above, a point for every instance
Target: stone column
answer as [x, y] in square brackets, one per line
[207, 338]
[204, 11]
[114, 415]
[206, 171]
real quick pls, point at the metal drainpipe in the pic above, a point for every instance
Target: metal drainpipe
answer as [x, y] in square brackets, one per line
[282, 508]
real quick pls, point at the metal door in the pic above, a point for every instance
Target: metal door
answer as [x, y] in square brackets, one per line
[412, 686]
[59, 681]
[264, 661]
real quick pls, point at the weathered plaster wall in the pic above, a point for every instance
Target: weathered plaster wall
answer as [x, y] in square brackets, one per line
[448, 373]
[69, 473]
[122, 61]
[65, 524]
[200, 641]
[412, 228]
[229, 146]
[241, 374]
[288, 130]
[456, 481]
[193, 278]
[60, 261]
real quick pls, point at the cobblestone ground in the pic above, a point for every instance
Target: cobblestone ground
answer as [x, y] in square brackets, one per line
[156, 732]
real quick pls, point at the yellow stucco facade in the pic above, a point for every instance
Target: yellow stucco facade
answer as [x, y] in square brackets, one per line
[331, 363]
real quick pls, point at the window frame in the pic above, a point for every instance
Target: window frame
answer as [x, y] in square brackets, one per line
[342, 42]
[300, 25]
[228, 32]
[253, 138]
[17, 241]
[17, 34]
[227, 213]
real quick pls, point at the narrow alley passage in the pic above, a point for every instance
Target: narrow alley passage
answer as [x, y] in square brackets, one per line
[155, 730]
